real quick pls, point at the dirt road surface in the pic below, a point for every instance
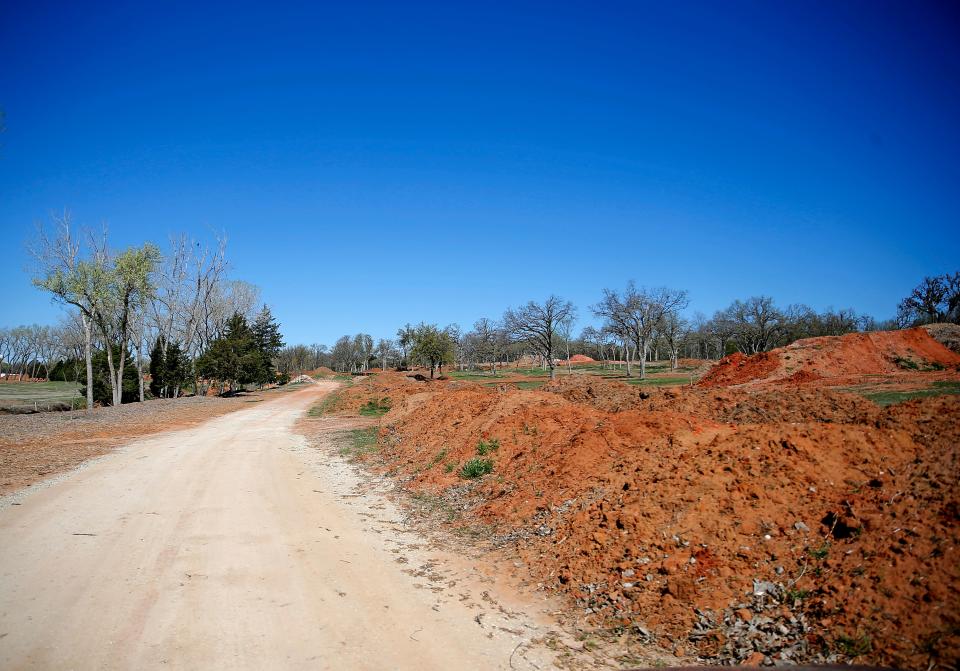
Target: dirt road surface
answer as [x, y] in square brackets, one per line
[234, 544]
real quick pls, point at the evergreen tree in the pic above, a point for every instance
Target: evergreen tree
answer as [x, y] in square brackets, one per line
[233, 359]
[158, 366]
[177, 370]
[269, 342]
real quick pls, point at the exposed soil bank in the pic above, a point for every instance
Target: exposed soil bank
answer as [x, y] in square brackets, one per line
[790, 524]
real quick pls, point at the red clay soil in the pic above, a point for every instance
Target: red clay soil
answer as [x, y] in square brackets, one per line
[653, 510]
[838, 360]
[581, 358]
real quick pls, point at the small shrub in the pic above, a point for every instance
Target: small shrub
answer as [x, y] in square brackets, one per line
[485, 447]
[449, 466]
[476, 468]
[906, 364]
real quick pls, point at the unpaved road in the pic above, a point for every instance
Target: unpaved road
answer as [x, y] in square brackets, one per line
[235, 545]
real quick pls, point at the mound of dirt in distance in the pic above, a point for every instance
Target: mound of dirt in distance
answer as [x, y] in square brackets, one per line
[738, 368]
[803, 524]
[581, 358]
[833, 359]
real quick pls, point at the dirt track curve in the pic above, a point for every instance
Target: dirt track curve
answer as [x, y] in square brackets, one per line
[228, 545]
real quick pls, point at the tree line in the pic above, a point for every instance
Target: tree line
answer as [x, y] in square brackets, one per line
[177, 314]
[636, 325]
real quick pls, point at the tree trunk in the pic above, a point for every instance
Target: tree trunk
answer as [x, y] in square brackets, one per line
[642, 346]
[88, 355]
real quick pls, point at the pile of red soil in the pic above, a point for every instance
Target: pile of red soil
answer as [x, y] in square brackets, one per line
[837, 359]
[738, 368]
[645, 507]
[581, 358]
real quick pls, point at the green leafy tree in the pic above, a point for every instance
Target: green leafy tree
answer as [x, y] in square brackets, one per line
[433, 346]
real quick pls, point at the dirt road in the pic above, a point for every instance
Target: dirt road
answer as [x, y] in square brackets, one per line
[235, 545]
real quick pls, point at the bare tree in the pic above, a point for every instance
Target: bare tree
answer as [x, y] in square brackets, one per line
[536, 324]
[70, 279]
[638, 314]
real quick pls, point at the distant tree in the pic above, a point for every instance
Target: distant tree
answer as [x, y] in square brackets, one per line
[265, 332]
[757, 324]
[405, 338]
[638, 315]
[384, 348]
[71, 279]
[674, 330]
[935, 299]
[489, 341]
[536, 324]
[433, 346]
[232, 359]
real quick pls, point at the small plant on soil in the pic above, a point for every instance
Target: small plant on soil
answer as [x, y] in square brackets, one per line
[476, 468]
[485, 447]
[821, 552]
[854, 646]
[440, 456]
[449, 466]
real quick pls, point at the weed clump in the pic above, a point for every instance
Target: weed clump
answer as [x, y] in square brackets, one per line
[485, 447]
[476, 468]
[375, 407]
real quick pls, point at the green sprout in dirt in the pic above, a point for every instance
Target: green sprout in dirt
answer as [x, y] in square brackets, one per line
[821, 552]
[476, 468]
[485, 447]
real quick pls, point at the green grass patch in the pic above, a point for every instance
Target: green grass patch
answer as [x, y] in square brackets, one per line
[884, 398]
[474, 375]
[38, 392]
[529, 384]
[476, 468]
[360, 442]
[375, 407]
[326, 406]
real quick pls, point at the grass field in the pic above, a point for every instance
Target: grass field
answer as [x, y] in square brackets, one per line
[659, 374]
[28, 393]
[891, 397]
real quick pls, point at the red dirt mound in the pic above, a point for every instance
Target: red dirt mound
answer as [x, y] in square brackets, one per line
[738, 368]
[581, 358]
[837, 360]
[682, 513]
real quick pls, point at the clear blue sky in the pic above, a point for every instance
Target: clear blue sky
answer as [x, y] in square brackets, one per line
[374, 164]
